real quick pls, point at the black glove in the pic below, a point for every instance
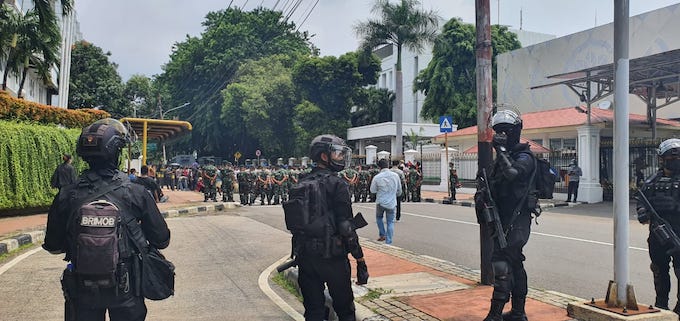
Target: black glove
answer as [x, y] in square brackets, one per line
[499, 140]
[643, 215]
[362, 273]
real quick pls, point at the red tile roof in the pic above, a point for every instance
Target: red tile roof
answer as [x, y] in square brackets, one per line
[536, 148]
[567, 116]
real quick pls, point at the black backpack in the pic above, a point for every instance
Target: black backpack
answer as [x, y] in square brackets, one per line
[305, 211]
[545, 178]
[98, 231]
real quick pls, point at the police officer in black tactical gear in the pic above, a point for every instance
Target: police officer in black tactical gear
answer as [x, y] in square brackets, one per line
[662, 189]
[100, 145]
[331, 155]
[509, 181]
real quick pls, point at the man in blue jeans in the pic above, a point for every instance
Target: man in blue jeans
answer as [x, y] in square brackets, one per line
[387, 187]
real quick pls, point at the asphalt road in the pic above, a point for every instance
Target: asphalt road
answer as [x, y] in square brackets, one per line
[570, 250]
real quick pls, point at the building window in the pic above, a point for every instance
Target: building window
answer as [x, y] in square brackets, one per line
[569, 143]
[538, 141]
[556, 144]
[383, 81]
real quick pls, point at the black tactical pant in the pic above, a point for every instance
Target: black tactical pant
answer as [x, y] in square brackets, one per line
[660, 267]
[314, 271]
[510, 277]
[125, 308]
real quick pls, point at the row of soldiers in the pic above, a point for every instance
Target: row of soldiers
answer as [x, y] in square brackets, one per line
[271, 185]
[359, 180]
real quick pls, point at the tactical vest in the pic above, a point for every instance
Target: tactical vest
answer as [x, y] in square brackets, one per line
[663, 193]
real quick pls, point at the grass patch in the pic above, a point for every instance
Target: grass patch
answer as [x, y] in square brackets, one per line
[5, 257]
[286, 284]
[374, 294]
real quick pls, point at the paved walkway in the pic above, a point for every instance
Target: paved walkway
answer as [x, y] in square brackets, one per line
[412, 286]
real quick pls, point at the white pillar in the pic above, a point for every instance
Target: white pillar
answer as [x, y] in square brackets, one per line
[304, 161]
[589, 189]
[384, 154]
[291, 161]
[371, 151]
[410, 156]
[444, 183]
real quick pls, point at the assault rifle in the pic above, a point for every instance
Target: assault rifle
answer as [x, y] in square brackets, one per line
[490, 212]
[659, 227]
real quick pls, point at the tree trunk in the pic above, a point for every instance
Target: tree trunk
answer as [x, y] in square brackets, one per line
[21, 83]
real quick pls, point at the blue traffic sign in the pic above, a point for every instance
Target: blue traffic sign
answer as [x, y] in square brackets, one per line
[445, 124]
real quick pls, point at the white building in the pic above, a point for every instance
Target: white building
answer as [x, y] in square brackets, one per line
[383, 135]
[650, 33]
[54, 92]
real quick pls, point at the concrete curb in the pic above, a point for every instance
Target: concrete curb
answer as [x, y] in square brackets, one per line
[38, 236]
[13, 243]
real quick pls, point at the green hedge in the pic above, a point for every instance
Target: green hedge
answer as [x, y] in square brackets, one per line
[29, 153]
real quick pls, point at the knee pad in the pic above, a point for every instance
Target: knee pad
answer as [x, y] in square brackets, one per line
[502, 281]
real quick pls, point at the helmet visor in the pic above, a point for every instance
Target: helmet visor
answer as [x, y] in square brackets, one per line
[341, 156]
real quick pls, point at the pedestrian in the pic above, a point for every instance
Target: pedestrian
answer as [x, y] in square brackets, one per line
[510, 186]
[103, 189]
[149, 183]
[387, 187]
[402, 178]
[64, 174]
[132, 175]
[331, 155]
[662, 191]
[454, 183]
[574, 174]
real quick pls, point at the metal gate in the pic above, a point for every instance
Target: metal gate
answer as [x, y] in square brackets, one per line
[643, 163]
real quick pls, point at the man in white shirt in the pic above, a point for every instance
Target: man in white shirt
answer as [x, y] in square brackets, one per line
[387, 187]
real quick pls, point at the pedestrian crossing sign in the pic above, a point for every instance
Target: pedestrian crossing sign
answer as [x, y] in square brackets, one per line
[445, 124]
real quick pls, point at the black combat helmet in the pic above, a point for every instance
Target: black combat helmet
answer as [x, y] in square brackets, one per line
[509, 122]
[670, 149]
[100, 143]
[339, 155]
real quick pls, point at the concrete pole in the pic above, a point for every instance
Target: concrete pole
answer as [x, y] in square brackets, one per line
[621, 157]
[484, 109]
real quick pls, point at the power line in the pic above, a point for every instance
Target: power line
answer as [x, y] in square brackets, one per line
[308, 14]
[293, 9]
[244, 5]
[276, 4]
[230, 2]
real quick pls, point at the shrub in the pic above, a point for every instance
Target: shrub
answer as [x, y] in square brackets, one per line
[21, 110]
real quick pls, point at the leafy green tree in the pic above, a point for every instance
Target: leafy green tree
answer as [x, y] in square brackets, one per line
[95, 82]
[373, 106]
[201, 67]
[138, 93]
[400, 24]
[10, 21]
[260, 104]
[449, 81]
[331, 84]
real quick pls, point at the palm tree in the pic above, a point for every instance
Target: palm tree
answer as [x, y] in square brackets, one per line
[401, 24]
[45, 38]
[37, 47]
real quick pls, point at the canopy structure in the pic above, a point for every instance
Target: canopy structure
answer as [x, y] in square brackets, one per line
[155, 129]
[651, 77]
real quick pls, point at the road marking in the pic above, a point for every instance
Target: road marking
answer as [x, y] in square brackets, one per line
[18, 259]
[536, 233]
[263, 283]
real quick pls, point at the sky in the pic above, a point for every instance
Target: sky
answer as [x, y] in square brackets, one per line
[140, 33]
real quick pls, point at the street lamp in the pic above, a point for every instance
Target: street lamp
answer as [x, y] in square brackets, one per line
[160, 110]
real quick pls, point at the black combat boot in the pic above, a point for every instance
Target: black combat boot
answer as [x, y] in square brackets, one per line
[496, 310]
[517, 313]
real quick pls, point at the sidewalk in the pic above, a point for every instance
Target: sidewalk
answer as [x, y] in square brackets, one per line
[411, 286]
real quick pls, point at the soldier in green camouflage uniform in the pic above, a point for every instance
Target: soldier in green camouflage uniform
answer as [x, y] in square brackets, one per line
[352, 177]
[251, 179]
[264, 186]
[227, 184]
[413, 178]
[280, 182]
[243, 189]
[362, 186]
[209, 175]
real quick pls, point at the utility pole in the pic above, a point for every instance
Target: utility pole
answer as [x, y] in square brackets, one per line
[160, 113]
[484, 110]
